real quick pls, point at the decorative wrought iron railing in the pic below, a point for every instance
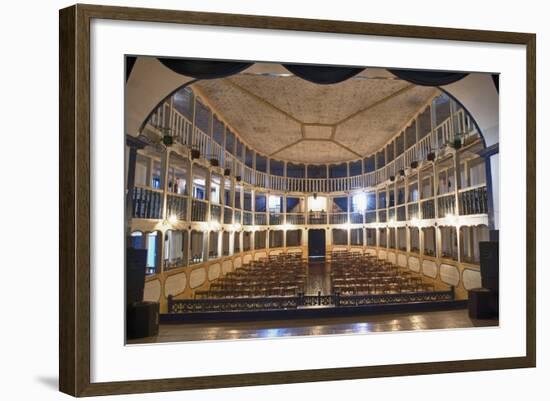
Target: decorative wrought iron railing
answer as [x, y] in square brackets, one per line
[300, 300]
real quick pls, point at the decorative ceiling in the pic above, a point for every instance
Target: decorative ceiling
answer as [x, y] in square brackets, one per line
[291, 119]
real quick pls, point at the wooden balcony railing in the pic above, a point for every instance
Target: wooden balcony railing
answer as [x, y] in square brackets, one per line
[176, 205]
[473, 201]
[147, 203]
[198, 210]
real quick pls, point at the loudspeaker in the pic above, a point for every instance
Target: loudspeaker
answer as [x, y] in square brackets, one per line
[488, 262]
[136, 260]
[142, 319]
[482, 303]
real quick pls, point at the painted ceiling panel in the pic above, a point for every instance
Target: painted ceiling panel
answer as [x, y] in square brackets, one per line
[370, 130]
[318, 104]
[279, 114]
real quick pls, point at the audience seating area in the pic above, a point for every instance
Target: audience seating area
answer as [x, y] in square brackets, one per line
[357, 274]
[275, 276]
[281, 283]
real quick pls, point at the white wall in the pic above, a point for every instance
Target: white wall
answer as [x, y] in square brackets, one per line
[29, 76]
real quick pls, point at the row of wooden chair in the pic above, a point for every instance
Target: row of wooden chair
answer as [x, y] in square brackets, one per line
[353, 274]
[275, 276]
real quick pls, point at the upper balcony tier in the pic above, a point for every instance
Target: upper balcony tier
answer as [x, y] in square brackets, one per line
[432, 131]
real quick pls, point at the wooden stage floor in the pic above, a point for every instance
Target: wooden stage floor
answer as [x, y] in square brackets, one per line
[210, 331]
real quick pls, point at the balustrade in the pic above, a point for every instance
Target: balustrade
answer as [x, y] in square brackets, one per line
[260, 219]
[370, 217]
[215, 213]
[401, 213]
[147, 203]
[338, 218]
[473, 201]
[227, 215]
[317, 218]
[356, 218]
[295, 218]
[413, 211]
[176, 206]
[275, 219]
[198, 210]
[428, 209]
[446, 205]
[248, 218]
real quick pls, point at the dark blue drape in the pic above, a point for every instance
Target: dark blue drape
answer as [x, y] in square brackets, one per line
[291, 203]
[204, 69]
[260, 203]
[323, 75]
[428, 78]
[342, 203]
[208, 69]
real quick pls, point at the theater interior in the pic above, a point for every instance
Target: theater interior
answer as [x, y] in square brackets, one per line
[270, 199]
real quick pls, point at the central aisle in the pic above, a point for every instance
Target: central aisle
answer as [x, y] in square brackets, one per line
[318, 278]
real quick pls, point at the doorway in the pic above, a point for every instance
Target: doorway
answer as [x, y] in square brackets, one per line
[316, 240]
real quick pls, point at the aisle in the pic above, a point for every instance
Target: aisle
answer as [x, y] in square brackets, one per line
[318, 278]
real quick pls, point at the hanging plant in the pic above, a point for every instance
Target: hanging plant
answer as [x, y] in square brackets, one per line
[457, 142]
[167, 140]
[195, 153]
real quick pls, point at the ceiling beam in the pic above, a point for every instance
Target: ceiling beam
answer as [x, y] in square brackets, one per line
[375, 104]
[346, 148]
[287, 146]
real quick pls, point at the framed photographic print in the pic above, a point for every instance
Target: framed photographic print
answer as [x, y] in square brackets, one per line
[250, 200]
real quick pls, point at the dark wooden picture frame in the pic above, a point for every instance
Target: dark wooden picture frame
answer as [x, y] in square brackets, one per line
[74, 203]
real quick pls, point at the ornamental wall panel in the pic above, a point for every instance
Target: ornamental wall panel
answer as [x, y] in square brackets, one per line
[197, 277]
[227, 267]
[151, 291]
[429, 268]
[402, 260]
[214, 271]
[414, 264]
[175, 284]
[471, 279]
[449, 274]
